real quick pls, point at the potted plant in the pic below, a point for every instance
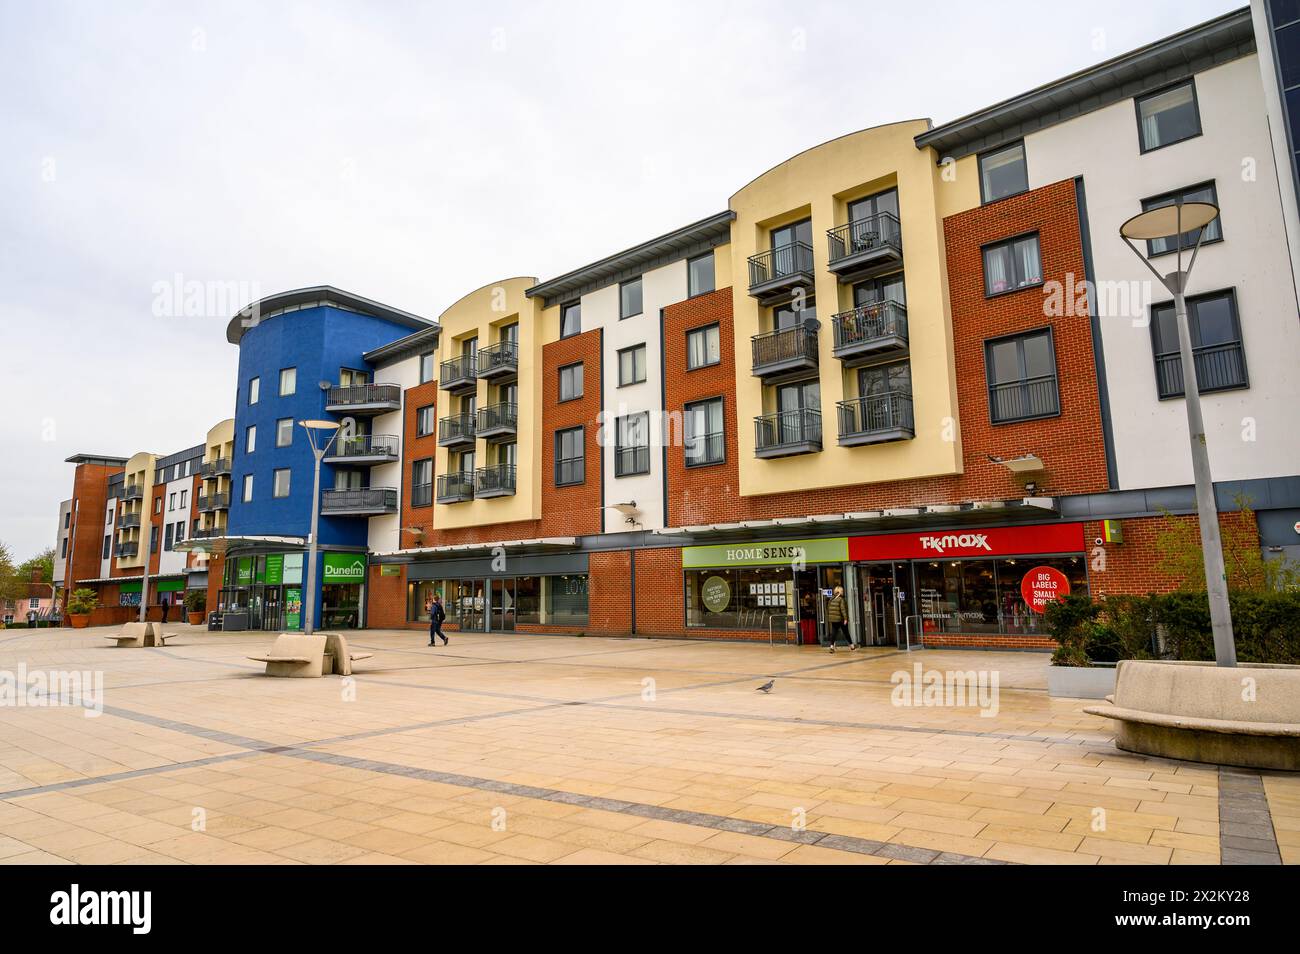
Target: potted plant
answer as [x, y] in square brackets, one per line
[196, 606]
[80, 604]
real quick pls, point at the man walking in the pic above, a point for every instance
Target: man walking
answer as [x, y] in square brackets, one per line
[436, 615]
[166, 606]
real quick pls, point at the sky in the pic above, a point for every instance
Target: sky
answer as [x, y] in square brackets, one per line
[408, 152]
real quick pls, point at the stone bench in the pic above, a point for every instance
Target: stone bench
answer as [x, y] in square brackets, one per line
[341, 660]
[1247, 715]
[295, 655]
[134, 634]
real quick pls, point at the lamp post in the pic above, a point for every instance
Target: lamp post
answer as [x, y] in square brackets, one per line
[1174, 221]
[311, 427]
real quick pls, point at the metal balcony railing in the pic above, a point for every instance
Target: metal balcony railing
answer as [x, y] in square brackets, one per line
[876, 325]
[886, 415]
[1218, 368]
[207, 533]
[495, 481]
[364, 446]
[794, 260]
[133, 492]
[127, 550]
[214, 502]
[455, 487]
[497, 419]
[458, 372]
[356, 396]
[873, 233]
[1024, 400]
[498, 360]
[459, 428]
[631, 460]
[215, 468]
[788, 432]
[359, 502]
[421, 495]
[783, 350]
[704, 449]
[128, 520]
[571, 470]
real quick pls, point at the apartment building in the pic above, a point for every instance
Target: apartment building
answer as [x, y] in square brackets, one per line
[913, 362]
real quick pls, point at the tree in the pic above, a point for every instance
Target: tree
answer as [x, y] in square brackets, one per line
[15, 580]
[9, 588]
[1179, 545]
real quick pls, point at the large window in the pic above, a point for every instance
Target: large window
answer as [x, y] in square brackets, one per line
[629, 298]
[984, 596]
[1021, 372]
[1201, 193]
[1217, 349]
[738, 598]
[1012, 265]
[703, 347]
[288, 381]
[422, 482]
[571, 382]
[560, 600]
[284, 432]
[570, 319]
[699, 275]
[566, 599]
[1168, 116]
[704, 438]
[569, 459]
[424, 424]
[280, 484]
[632, 445]
[631, 365]
[1003, 172]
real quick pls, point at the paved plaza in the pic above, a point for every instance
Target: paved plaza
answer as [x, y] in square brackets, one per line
[516, 749]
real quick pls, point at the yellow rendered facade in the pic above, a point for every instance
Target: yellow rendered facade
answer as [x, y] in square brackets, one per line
[139, 471]
[219, 444]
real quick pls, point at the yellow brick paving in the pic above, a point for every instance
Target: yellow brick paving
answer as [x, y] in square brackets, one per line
[676, 724]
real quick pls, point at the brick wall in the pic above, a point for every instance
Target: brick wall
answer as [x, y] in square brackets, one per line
[1132, 567]
[417, 448]
[86, 542]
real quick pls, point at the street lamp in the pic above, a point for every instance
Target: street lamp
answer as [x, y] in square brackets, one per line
[1166, 222]
[311, 427]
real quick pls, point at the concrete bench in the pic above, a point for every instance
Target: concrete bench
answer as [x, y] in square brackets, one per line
[162, 637]
[134, 634]
[294, 655]
[336, 648]
[1248, 715]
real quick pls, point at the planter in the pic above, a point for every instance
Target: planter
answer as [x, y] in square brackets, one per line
[1080, 682]
[79, 620]
[195, 619]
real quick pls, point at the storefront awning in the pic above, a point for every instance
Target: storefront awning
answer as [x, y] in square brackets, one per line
[538, 544]
[133, 579]
[220, 545]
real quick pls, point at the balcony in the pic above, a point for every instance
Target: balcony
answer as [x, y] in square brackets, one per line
[127, 550]
[210, 502]
[786, 433]
[497, 421]
[1024, 400]
[1219, 367]
[215, 468]
[421, 495]
[866, 247]
[208, 533]
[775, 275]
[787, 353]
[459, 374]
[133, 492]
[497, 481]
[128, 520]
[456, 431]
[364, 399]
[876, 419]
[363, 450]
[455, 488]
[870, 332]
[363, 502]
[500, 362]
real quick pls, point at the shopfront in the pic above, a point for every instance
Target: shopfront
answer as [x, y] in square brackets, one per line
[266, 591]
[502, 594]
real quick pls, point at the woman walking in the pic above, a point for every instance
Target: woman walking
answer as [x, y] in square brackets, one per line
[837, 615]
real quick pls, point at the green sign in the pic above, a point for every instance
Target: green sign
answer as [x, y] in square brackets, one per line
[129, 587]
[780, 553]
[170, 586]
[390, 569]
[244, 571]
[292, 607]
[275, 569]
[344, 568]
[716, 594]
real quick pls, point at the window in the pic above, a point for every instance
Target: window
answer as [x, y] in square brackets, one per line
[180, 531]
[67, 519]
[570, 319]
[171, 501]
[569, 459]
[422, 482]
[1012, 265]
[1021, 372]
[740, 598]
[63, 548]
[703, 347]
[571, 382]
[153, 538]
[1167, 116]
[705, 441]
[254, 390]
[424, 424]
[157, 504]
[280, 482]
[250, 438]
[1201, 193]
[248, 488]
[426, 367]
[1217, 352]
[632, 445]
[108, 547]
[167, 537]
[629, 298]
[699, 275]
[185, 496]
[288, 381]
[631, 365]
[1003, 172]
[284, 432]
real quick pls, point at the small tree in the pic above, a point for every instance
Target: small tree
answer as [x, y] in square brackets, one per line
[1179, 545]
[196, 601]
[82, 601]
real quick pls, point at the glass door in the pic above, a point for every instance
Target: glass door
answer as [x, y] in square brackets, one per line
[791, 401]
[503, 605]
[830, 578]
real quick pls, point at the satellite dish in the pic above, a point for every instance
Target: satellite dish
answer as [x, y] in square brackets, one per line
[811, 324]
[324, 385]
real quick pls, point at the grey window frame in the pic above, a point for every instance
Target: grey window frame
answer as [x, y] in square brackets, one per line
[632, 349]
[691, 291]
[281, 391]
[1011, 242]
[564, 312]
[581, 431]
[703, 329]
[559, 382]
[1149, 203]
[425, 498]
[280, 429]
[1193, 315]
[254, 390]
[275, 480]
[619, 448]
[979, 169]
[432, 359]
[640, 293]
[428, 410]
[1021, 336]
[1143, 148]
[686, 409]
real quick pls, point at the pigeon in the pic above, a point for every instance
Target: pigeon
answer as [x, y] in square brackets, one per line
[767, 686]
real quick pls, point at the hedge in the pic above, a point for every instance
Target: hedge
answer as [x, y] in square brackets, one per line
[1266, 627]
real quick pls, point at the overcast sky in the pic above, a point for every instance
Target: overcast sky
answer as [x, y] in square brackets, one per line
[409, 152]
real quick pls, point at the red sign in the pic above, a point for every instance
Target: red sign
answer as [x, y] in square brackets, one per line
[1043, 585]
[970, 542]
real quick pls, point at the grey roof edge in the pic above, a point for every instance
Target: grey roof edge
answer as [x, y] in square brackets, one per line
[714, 226]
[297, 296]
[404, 347]
[97, 459]
[1222, 33]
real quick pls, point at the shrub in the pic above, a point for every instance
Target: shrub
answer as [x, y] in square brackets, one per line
[196, 601]
[82, 601]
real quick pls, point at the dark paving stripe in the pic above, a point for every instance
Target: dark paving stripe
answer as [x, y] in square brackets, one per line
[123, 776]
[1246, 835]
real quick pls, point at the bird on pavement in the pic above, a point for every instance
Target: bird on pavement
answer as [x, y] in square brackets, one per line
[767, 686]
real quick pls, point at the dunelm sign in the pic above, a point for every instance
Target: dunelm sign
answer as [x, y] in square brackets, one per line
[344, 568]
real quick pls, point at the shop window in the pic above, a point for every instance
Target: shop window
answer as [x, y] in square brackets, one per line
[566, 600]
[984, 596]
[737, 598]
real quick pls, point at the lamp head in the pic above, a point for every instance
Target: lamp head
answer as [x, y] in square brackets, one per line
[318, 425]
[1169, 220]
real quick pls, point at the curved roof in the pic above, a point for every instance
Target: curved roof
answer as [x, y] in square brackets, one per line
[251, 313]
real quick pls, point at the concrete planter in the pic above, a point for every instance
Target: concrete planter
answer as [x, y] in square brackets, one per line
[1080, 682]
[1247, 715]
